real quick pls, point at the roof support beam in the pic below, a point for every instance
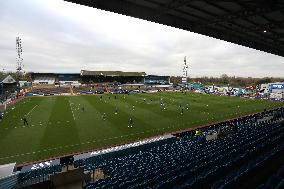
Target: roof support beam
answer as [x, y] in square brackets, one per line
[245, 14]
[174, 4]
[171, 15]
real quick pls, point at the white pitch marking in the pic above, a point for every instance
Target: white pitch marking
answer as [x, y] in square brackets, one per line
[31, 110]
[72, 110]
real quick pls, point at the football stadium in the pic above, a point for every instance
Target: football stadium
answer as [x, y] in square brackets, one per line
[95, 130]
[124, 129]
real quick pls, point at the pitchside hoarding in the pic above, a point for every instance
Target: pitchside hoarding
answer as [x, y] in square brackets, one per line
[122, 147]
[277, 86]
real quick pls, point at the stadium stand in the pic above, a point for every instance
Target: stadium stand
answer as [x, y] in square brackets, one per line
[69, 79]
[44, 80]
[193, 163]
[156, 80]
[90, 89]
[111, 76]
[94, 82]
[51, 90]
[8, 178]
[276, 180]
[82, 90]
[9, 182]
[55, 78]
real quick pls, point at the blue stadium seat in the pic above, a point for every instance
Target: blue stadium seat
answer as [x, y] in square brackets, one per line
[280, 185]
[191, 163]
[273, 181]
[280, 173]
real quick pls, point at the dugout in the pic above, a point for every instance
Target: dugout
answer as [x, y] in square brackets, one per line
[112, 77]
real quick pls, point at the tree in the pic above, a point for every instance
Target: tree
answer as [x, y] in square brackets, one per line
[224, 78]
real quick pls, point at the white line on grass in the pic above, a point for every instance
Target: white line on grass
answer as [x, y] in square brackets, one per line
[71, 110]
[31, 110]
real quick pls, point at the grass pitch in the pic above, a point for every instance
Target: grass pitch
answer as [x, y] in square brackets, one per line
[58, 125]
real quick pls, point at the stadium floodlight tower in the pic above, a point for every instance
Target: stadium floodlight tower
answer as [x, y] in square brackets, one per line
[184, 73]
[19, 59]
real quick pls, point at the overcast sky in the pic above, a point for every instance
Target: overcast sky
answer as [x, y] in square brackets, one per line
[59, 36]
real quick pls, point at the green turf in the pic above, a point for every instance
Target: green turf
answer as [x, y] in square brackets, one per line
[58, 126]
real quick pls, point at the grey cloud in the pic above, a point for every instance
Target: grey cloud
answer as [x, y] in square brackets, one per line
[53, 42]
